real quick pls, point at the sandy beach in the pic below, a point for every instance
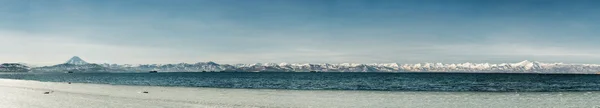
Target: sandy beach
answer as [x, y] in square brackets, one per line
[30, 94]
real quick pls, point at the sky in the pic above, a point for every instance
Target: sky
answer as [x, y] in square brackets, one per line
[49, 32]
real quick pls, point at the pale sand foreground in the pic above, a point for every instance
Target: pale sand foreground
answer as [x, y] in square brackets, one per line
[30, 94]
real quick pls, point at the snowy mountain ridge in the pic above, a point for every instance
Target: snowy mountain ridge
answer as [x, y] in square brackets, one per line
[520, 67]
[526, 66]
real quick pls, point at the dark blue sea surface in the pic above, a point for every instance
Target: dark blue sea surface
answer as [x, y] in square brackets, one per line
[337, 81]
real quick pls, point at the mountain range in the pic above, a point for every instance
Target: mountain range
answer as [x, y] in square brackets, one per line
[13, 67]
[76, 64]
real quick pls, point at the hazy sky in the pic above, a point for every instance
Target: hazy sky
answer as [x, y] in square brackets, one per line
[299, 31]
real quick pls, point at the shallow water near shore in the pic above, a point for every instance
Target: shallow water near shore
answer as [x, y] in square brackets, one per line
[452, 82]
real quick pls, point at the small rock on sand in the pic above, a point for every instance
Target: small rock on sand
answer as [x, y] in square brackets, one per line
[48, 92]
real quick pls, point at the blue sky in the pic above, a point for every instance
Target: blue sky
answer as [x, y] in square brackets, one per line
[300, 31]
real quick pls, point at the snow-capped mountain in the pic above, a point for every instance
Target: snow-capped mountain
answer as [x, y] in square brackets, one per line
[74, 64]
[520, 67]
[76, 61]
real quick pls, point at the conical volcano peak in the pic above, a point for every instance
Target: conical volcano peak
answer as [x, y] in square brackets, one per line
[76, 61]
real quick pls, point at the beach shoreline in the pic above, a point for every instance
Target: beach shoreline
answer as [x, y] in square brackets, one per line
[31, 94]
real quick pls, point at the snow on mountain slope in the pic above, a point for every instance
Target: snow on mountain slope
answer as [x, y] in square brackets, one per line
[76, 61]
[76, 64]
[519, 67]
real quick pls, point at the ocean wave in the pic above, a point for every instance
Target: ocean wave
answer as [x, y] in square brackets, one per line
[339, 81]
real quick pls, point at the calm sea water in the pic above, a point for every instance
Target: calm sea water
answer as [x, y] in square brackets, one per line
[338, 81]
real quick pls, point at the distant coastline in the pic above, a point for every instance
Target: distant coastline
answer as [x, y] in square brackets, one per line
[78, 65]
[14, 67]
